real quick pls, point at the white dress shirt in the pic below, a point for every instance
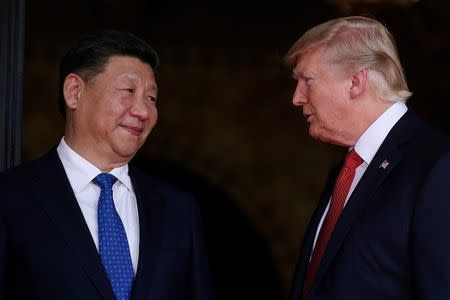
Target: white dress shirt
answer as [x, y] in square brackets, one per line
[367, 146]
[80, 173]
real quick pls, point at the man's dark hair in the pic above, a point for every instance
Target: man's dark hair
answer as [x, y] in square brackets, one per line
[89, 55]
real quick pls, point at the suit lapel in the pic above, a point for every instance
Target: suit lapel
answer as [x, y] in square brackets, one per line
[151, 209]
[53, 191]
[385, 160]
[310, 234]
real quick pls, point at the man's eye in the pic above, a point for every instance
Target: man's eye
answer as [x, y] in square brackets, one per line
[308, 81]
[151, 99]
[128, 90]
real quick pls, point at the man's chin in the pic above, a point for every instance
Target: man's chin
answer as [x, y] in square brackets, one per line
[127, 152]
[318, 135]
[314, 133]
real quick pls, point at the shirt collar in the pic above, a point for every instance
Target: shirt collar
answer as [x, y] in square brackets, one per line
[371, 140]
[81, 172]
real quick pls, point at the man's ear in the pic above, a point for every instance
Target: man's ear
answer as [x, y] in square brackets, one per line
[73, 89]
[359, 81]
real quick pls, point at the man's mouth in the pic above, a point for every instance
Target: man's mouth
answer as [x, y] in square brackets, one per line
[308, 117]
[134, 130]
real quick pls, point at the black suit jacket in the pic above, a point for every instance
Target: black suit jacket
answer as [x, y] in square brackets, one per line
[392, 240]
[47, 252]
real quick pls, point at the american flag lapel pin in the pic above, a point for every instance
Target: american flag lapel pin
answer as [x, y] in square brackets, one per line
[384, 164]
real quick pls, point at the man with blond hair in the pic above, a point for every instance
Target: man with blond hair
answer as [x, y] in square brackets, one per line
[382, 227]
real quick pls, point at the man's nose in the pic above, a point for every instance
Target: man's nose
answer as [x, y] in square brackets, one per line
[140, 109]
[299, 96]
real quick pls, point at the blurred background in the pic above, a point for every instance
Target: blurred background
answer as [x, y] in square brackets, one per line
[227, 130]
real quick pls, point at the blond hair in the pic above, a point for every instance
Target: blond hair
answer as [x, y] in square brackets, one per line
[358, 43]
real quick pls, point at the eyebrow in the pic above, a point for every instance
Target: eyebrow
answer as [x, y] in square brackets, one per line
[153, 87]
[132, 79]
[301, 75]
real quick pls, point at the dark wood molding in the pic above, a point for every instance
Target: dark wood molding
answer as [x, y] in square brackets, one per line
[12, 27]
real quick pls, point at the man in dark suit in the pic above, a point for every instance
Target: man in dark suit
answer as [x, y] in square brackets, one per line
[80, 223]
[382, 227]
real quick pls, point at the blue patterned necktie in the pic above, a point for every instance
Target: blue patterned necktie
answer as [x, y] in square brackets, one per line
[113, 243]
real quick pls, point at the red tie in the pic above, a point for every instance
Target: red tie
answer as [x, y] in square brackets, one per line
[341, 188]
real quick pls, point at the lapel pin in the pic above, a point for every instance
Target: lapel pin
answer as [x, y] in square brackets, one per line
[384, 164]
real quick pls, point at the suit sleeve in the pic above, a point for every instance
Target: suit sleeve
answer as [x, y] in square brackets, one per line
[202, 281]
[431, 235]
[3, 258]
[3, 239]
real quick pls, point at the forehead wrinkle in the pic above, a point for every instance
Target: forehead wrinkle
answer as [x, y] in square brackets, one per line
[129, 76]
[303, 73]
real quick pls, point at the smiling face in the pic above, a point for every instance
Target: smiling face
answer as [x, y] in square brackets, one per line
[324, 94]
[110, 116]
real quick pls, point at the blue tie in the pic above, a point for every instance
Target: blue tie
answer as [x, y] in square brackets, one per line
[113, 243]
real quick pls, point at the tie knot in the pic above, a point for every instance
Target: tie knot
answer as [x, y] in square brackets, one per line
[352, 160]
[105, 180]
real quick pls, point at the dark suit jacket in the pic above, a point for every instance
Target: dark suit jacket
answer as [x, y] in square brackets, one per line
[392, 240]
[47, 252]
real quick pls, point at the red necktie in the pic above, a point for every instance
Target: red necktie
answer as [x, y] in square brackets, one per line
[341, 188]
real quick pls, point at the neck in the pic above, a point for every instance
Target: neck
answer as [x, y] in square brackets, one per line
[92, 156]
[367, 114]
